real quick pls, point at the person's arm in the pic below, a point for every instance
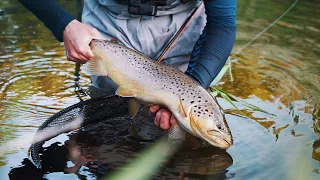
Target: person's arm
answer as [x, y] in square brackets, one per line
[51, 14]
[75, 35]
[215, 43]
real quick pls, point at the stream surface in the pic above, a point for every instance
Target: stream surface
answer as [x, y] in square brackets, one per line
[279, 72]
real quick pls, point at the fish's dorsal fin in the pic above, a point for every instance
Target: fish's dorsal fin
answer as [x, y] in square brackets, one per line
[124, 92]
[133, 105]
[94, 67]
[114, 40]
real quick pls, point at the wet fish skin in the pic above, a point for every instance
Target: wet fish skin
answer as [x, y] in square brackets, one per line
[152, 83]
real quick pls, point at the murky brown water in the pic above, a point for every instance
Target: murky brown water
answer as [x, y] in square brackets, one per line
[279, 72]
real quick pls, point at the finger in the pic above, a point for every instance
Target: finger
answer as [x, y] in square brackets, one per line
[87, 53]
[165, 118]
[73, 54]
[173, 120]
[154, 108]
[157, 118]
[77, 57]
[84, 52]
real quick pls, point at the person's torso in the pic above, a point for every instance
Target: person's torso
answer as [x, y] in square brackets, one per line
[121, 8]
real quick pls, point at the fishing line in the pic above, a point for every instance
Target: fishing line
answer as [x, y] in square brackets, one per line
[267, 28]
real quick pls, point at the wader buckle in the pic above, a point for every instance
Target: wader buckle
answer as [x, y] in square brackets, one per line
[142, 9]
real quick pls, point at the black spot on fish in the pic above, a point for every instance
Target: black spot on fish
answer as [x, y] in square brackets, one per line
[192, 102]
[206, 110]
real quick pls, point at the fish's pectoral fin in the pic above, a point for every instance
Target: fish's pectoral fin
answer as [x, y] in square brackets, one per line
[93, 67]
[124, 92]
[133, 106]
[176, 133]
[182, 111]
[193, 122]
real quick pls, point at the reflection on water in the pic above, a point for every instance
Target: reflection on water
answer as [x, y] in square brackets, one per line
[279, 72]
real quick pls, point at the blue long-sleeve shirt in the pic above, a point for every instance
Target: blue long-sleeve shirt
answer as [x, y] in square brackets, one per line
[209, 54]
[216, 41]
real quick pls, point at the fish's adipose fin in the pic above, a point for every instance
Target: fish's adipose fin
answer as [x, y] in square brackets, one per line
[93, 67]
[124, 92]
[181, 108]
[176, 133]
[133, 105]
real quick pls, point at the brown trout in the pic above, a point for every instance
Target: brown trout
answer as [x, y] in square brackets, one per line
[149, 82]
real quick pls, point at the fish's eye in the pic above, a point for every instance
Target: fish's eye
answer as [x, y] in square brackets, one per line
[219, 127]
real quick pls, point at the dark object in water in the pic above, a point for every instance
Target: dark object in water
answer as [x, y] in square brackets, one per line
[92, 110]
[104, 143]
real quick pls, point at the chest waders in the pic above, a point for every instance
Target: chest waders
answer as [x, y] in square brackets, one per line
[135, 8]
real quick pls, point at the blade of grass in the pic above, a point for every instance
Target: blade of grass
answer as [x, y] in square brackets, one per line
[231, 97]
[230, 70]
[145, 165]
[230, 101]
[214, 93]
[220, 75]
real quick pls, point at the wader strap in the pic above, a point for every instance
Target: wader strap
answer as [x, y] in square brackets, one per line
[179, 33]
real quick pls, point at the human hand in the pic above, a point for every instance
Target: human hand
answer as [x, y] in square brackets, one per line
[164, 117]
[77, 37]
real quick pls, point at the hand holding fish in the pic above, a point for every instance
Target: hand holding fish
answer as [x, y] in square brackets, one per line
[77, 37]
[163, 118]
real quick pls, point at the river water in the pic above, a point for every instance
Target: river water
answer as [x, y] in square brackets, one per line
[279, 72]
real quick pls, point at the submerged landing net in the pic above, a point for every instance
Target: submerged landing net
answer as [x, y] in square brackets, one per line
[91, 110]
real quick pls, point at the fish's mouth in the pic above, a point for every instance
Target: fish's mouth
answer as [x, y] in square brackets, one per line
[219, 139]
